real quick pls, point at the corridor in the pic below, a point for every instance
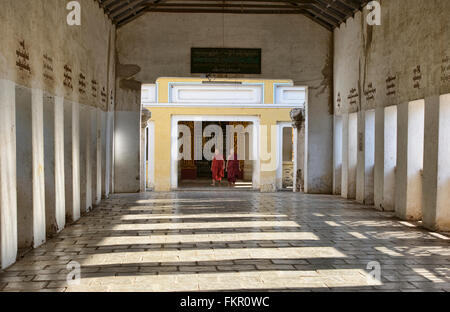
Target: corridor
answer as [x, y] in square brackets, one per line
[235, 241]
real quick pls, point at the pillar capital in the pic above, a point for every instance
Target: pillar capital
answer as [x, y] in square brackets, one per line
[297, 117]
[145, 117]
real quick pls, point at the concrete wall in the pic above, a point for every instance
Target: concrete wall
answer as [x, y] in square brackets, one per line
[404, 59]
[293, 47]
[49, 69]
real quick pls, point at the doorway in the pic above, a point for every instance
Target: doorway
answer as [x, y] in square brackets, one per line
[194, 139]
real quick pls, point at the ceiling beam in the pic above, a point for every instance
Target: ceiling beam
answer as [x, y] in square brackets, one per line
[328, 13]
[223, 5]
[225, 10]
[337, 6]
[123, 8]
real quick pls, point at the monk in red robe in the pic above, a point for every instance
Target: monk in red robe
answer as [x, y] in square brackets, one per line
[217, 167]
[233, 168]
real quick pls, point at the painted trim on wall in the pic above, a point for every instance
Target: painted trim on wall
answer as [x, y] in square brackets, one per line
[232, 105]
[170, 84]
[279, 84]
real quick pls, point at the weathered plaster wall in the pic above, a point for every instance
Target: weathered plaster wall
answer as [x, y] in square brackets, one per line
[406, 58]
[293, 47]
[412, 33]
[42, 27]
[45, 64]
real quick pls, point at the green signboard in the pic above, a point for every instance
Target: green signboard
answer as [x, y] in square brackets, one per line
[225, 61]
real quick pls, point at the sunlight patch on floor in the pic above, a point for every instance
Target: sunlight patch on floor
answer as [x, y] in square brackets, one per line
[167, 256]
[200, 216]
[203, 238]
[230, 281]
[201, 225]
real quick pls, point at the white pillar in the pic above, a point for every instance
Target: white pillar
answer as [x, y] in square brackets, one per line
[337, 155]
[390, 157]
[60, 198]
[93, 155]
[385, 157]
[143, 152]
[436, 171]
[344, 172]
[366, 157]
[8, 186]
[127, 143]
[68, 168]
[99, 162]
[410, 139]
[295, 169]
[369, 157]
[299, 149]
[112, 135]
[39, 229]
[104, 152]
[24, 168]
[151, 155]
[76, 207]
[49, 164]
[349, 155]
[360, 159]
[109, 152]
[379, 158]
[88, 160]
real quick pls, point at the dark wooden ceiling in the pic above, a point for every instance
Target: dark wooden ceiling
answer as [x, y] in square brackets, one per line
[328, 13]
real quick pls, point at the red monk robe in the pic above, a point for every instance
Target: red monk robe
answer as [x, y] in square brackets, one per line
[217, 167]
[232, 168]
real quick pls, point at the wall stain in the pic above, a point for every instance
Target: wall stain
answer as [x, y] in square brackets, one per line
[367, 39]
[326, 82]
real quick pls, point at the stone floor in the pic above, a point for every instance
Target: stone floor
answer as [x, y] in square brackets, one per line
[231, 240]
[205, 185]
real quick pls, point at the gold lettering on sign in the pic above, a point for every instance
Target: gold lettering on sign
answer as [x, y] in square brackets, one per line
[23, 57]
[445, 70]
[391, 84]
[111, 99]
[353, 96]
[103, 95]
[417, 77]
[47, 63]
[94, 88]
[82, 84]
[68, 77]
[370, 92]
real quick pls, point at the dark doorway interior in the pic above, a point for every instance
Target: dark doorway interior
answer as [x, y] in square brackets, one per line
[197, 173]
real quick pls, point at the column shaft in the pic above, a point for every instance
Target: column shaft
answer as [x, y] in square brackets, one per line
[8, 186]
